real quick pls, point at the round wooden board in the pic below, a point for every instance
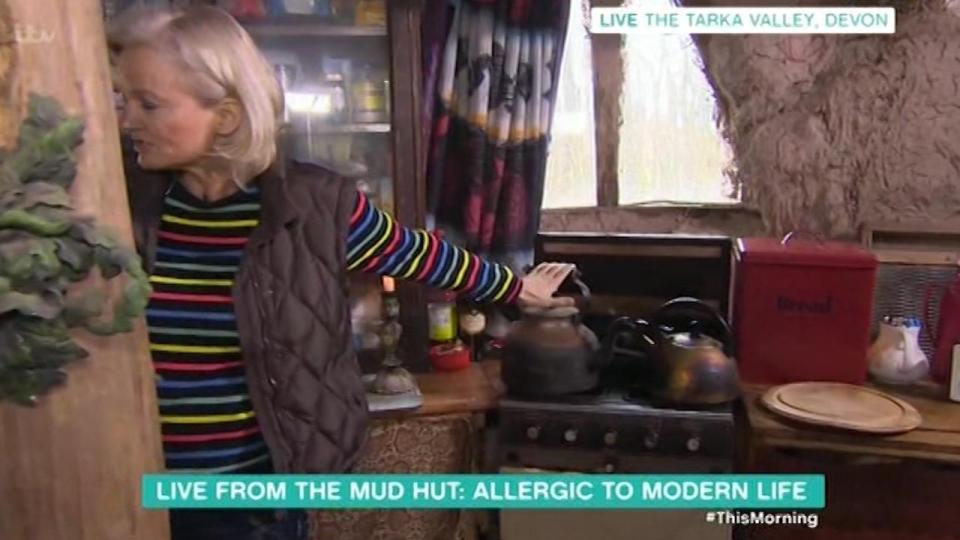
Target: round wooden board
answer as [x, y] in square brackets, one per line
[843, 406]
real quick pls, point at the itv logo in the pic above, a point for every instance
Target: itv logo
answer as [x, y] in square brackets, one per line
[27, 34]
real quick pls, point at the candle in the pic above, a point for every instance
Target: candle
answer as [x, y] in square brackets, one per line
[388, 284]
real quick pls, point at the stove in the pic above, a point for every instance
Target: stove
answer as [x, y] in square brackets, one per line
[617, 429]
[611, 431]
[614, 431]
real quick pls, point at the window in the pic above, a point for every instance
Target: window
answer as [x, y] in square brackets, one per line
[670, 148]
[571, 178]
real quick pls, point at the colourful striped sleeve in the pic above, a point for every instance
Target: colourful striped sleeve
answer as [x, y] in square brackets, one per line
[377, 244]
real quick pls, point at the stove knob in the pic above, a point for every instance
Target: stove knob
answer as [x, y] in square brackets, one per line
[610, 438]
[693, 444]
[570, 435]
[533, 433]
[650, 441]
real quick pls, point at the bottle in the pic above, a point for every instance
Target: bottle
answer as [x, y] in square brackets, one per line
[494, 336]
[334, 84]
[472, 324]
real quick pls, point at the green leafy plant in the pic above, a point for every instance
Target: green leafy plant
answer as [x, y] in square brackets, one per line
[45, 248]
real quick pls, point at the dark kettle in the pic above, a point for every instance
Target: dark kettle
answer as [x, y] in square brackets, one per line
[549, 352]
[690, 347]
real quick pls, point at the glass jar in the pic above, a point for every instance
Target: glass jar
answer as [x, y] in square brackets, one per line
[299, 7]
[368, 97]
[343, 10]
[442, 316]
[371, 13]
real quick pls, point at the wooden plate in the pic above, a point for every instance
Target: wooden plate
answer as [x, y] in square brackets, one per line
[843, 406]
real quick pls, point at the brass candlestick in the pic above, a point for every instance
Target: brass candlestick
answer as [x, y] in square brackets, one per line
[392, 378]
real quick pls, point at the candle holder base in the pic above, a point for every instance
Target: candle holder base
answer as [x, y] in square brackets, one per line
[393, 379]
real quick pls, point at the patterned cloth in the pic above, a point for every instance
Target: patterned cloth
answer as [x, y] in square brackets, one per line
[491, 81]
[207, 420]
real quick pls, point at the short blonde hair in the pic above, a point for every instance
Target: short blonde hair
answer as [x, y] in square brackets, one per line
[220, 60]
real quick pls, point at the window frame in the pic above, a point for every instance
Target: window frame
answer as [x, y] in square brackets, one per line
[607, 52]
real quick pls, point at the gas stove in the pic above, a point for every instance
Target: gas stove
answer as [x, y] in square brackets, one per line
[614, 430]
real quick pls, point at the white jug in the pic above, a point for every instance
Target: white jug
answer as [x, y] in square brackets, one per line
[896, 357]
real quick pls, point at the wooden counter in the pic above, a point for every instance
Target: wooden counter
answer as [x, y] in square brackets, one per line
[475, 389]
[478, 389]
[878, 487]
[936, 439]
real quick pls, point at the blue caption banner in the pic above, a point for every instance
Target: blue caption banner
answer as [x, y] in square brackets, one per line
[508, 491]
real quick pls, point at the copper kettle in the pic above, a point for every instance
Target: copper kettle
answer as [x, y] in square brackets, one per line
[690, 347]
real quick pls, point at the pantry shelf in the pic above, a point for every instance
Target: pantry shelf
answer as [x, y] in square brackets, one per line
[312, 29]
[343, 128]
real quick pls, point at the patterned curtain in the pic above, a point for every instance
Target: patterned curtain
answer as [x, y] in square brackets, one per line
[490, 71]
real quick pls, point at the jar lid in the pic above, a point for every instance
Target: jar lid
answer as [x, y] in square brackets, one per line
[441, 295]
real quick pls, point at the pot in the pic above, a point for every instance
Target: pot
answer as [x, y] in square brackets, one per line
[687, 343]
[549, 352]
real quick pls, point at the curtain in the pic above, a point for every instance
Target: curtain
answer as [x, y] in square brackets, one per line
[490, 77]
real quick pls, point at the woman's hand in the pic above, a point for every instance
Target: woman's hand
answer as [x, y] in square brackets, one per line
[541, 283]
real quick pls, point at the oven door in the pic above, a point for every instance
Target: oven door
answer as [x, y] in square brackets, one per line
[606, 524]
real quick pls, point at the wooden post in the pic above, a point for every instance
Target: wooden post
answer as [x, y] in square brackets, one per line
[70, 468]
[608, 83]
[409, 165]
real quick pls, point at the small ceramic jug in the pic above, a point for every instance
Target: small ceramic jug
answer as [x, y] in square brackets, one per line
[896, 357]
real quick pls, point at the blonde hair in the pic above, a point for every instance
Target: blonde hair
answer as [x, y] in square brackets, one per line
[220, 60]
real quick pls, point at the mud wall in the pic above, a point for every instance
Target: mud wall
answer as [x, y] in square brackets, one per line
[830, 132]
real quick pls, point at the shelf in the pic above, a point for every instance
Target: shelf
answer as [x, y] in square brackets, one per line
[344, 128]
[300, 28]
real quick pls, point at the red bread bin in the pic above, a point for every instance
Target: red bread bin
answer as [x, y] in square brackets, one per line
[802, 310]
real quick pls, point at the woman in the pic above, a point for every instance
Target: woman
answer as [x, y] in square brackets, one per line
[249, 324]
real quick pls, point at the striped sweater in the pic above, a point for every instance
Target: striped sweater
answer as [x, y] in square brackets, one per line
[207, 420]
[377, 244]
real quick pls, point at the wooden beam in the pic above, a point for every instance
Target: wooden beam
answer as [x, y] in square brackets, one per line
[607, 53]
[608, 114]
[71, 467]
[409, 158]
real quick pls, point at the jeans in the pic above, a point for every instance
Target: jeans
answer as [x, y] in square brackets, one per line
[237, 525]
